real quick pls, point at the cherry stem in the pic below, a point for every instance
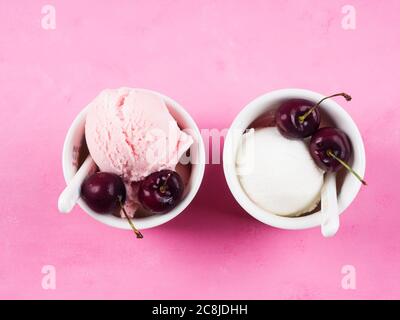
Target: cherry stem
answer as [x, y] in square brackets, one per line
[344, 164]
[164, 187]
[303, 117]
[137, 232]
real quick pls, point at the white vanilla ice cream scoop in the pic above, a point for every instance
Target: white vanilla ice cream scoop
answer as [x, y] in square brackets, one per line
[278, 174]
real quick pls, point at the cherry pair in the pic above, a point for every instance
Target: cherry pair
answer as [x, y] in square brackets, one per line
[159, 192]
[330, 147]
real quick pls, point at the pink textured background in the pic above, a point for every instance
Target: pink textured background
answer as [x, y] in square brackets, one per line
[213, 57]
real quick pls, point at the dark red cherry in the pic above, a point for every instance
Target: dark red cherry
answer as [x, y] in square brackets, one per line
[161, 191]
[331, 150]
[102, 190]
[287, 119]
[299, 118]
[104, 193]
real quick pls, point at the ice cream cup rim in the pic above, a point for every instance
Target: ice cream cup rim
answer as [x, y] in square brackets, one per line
[257, 107]
[196, 178]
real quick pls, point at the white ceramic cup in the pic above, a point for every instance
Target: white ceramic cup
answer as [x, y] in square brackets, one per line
[270, 102]
[75, 137]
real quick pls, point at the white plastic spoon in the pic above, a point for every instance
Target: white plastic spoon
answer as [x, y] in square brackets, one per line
[71, 193]
[329, 206]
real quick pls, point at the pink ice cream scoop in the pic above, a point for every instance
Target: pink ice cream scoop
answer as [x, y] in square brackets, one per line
[130, 132]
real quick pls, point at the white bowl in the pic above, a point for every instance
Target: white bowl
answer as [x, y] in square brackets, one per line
[269, 102]
[75, 138]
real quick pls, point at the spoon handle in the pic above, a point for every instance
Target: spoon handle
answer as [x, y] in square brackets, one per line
[72, 192]
[329, 206]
